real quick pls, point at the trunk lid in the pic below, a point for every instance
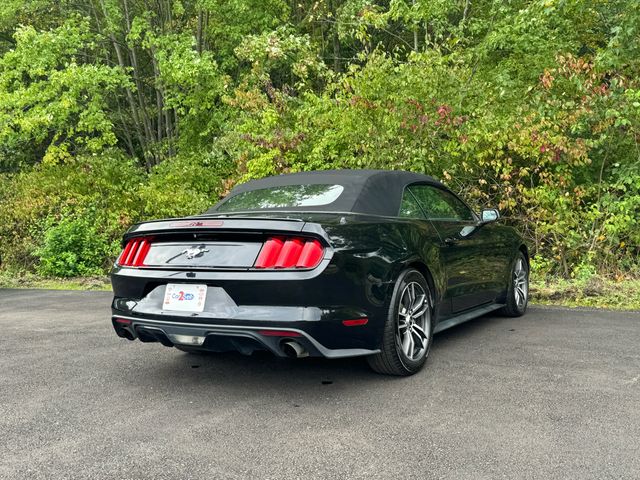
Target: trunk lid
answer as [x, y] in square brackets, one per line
[215, 243]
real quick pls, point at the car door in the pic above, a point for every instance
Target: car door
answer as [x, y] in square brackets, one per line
[473, 262]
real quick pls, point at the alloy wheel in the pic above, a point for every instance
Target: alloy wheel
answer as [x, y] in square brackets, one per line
[520, 283]
[414, 321]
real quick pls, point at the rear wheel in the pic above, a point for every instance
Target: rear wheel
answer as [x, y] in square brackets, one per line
[518, 291]
[408, 329]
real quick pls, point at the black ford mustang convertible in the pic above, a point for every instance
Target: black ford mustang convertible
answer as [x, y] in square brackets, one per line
[332, 264]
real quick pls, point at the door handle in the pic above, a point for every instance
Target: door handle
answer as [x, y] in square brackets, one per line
[451, 241]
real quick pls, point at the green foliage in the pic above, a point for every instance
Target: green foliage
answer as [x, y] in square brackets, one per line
[99, 190]
[193, 87]
[116, 111]
[73, 247]
[51, 106]
[67, 219]
[183, 186]
[281, 57]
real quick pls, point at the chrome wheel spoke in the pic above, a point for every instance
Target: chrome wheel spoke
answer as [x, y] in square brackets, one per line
[419, 330]
[407, 344]
[520, 283]
[420, 335]
[418, 305]
[413, 321]
[421, 312]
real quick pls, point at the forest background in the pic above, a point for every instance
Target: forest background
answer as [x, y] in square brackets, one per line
[116, 111]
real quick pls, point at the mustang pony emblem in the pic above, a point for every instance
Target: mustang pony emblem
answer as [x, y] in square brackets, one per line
[194, 252]
[191, 252]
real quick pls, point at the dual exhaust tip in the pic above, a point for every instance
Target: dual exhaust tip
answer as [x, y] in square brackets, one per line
[293, 349]
[124, 333]
[290, 348]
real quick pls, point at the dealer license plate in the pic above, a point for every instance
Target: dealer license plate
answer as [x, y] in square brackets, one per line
[184, 297]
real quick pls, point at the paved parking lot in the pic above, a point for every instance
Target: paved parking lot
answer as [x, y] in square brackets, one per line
[555, 394]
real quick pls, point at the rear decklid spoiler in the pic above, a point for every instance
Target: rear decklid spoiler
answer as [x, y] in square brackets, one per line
[186, 225]
[223, 243]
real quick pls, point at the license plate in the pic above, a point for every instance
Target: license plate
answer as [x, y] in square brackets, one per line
[184, 297]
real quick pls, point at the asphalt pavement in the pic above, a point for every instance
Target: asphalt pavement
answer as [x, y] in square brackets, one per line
[554, 394]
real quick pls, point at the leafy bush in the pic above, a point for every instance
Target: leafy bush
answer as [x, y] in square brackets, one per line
[74, 246]
[67, 219]
[115, 112]
[185, 185]
[39, 198]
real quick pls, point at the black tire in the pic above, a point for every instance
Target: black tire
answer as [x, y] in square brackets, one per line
[392, 360]
[513, 307]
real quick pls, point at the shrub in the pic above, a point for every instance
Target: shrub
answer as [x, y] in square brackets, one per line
[67, 219]
[74, 246]
[185, 185]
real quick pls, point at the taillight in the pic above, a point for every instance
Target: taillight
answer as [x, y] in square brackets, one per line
[290, 252]
[134, 253]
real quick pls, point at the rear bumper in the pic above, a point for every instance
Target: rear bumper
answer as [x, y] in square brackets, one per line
[313, 303]
[220, 338]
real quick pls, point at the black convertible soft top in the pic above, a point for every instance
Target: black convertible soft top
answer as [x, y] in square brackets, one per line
[374, 192]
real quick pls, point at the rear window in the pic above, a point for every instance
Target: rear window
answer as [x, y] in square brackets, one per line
[287, 196]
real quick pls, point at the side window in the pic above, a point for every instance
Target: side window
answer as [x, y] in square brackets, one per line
[409, 208]
[439, 204]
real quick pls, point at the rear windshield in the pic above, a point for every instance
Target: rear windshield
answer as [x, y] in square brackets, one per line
[287, 196]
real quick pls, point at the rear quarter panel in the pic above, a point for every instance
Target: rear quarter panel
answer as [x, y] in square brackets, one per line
[376, 250]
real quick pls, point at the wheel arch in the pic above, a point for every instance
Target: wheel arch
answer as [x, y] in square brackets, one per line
[424, 270]
[525, 251]
[426, 273]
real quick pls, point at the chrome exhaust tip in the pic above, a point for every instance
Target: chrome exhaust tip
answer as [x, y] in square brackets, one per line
[293, 349]
[124, 333]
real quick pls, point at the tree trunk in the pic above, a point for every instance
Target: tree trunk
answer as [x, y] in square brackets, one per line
[199, 31]
[415, 32]
[148, 124]
[335, 39]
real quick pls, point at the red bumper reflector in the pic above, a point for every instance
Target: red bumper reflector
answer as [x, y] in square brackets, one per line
[124, 321]
[356, 322]
[279, 333]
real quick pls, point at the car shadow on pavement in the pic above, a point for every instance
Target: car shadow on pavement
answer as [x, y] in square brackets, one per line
[262, 369]
[462, 333]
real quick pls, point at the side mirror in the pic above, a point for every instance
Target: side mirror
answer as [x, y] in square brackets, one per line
[489, 215]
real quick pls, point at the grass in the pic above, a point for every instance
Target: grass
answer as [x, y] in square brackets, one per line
[595, 292]
[29, 280]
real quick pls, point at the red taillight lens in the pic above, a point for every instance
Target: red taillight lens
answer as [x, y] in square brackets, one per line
[134, 253]
[128, 260]
[311, 254]
[141, 254]
[292, 252]
[269, 253]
